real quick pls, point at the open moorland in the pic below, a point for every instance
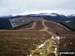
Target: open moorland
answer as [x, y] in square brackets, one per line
[20, 41]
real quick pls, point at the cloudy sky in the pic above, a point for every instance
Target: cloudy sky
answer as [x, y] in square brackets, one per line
[9, 7]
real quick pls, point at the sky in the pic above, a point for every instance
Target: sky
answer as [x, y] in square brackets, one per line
[14, 7]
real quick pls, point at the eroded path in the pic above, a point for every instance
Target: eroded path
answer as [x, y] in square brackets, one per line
[45, 27]
[33, 26]
[49, 46]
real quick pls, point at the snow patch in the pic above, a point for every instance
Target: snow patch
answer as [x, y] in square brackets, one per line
[67, 21]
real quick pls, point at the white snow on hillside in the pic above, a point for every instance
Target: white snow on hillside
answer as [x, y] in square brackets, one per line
[48, 12]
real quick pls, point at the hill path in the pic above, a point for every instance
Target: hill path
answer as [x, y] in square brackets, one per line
[51, 41]
[45, 27]
[33, 26]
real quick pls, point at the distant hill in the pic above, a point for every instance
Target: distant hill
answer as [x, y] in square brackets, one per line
[27, 32]
[50, 26]
[15, 21]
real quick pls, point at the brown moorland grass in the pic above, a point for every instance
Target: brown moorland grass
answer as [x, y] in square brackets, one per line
[19, 43]
[67, 45]
[25, 27]
[53, 27]
[38, 26]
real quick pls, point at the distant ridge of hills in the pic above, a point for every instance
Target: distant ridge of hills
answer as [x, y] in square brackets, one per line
[6, 21]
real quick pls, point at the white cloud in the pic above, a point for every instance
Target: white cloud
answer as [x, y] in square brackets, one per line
[8, 7]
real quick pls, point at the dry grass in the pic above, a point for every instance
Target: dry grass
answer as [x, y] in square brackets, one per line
[67, 44]
[53, 27]
[25, 27]
[19, 43]
[38, 26]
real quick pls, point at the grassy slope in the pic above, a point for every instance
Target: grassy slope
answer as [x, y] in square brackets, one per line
[18, 43]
